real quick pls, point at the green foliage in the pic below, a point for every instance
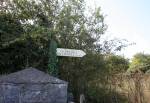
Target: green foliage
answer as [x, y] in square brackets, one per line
[140, 61]
[29, 24]
[20, 54]
[81, 72]
[116, 64]
[10, 28]
[99, 89]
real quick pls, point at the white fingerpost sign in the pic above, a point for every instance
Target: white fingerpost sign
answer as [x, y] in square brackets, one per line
[70, 52]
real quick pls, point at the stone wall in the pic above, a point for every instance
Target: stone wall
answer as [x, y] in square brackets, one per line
[33, 93]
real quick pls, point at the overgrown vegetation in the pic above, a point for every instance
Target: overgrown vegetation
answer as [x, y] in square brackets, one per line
[28, 26]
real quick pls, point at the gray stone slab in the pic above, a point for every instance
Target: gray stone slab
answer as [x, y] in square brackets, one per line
[43, 90]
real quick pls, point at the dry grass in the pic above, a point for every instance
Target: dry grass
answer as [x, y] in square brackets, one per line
[135, 87]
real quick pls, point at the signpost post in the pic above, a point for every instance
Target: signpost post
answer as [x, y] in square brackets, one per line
[52, 63]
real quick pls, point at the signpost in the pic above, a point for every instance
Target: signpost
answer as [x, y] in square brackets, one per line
[54, 52]
[70, 52]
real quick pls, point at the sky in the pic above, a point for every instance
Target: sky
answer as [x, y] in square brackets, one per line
[127, 19]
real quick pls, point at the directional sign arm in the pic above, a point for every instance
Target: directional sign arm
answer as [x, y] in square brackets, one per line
[70, 52]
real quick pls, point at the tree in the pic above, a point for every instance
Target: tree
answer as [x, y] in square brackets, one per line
[116, 64]
[70, 26]
[140, 61]
[10, 28]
